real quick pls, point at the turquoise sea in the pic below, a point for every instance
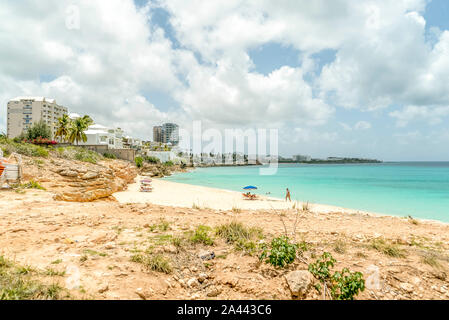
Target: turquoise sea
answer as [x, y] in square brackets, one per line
[418, 189]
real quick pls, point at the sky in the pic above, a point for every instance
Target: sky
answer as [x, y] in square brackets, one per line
[346, 78]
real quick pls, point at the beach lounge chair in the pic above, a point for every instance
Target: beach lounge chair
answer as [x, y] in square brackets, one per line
[249, 196]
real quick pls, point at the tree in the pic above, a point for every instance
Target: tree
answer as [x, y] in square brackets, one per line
[63, 129]
[77, 129]
[88, 120]
[38, 130]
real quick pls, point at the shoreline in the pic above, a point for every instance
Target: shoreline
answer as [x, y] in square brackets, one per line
[181, 195]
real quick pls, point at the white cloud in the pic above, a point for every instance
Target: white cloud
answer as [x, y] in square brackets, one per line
[115, 56]
[232, 95]
[362, 125]
[118, 55]
[431, 115]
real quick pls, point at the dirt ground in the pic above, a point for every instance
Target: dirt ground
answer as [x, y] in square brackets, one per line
[93, 249]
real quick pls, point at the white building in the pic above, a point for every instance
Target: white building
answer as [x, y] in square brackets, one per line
[302, 158]
[134, 143]
[23, 112]
[98, 134]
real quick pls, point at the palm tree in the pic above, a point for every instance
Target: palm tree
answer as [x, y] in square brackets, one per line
[63, 129]
[77, 129]
[88, 120]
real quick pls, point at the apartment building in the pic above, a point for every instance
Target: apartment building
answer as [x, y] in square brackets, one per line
[23, 112]
[157, 133]
[170, 133]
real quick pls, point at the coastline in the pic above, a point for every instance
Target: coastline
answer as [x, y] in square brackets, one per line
[181, 195]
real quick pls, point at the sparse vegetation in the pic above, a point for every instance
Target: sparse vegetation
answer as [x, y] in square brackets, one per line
[340, 246]
[163, 226]
[78, 153]
[412, 220]
[241, 236]
[431, 258]
[32, 185]
[153, 160]
[95, 253]
[235, 231]
[201, 235]
[17, 283]
[139, 162]
[236, 210]
[305, 206]
[343, 285]
[9, 146]
[51, 272]
[154, 262]
[281, 253]
[388, 249]
[109, 155]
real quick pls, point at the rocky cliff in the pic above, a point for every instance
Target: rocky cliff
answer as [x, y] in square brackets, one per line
[79, 181]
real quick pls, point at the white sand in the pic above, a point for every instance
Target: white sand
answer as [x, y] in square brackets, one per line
[174, 194]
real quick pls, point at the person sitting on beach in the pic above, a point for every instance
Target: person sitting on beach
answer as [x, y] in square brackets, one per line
[287, 196]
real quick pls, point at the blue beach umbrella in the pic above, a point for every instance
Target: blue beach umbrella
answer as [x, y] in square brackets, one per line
[250, 188]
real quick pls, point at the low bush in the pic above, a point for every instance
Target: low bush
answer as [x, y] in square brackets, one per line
[235, 231]
[42, 142]
[388, 249]
[152, 160]
[78, 153]
[8, 146]
[17, 283]
[32, 185]
[201, 235]
[154, 262]
[342, 285]
[109, 155]
[139, 162]
[281, 253]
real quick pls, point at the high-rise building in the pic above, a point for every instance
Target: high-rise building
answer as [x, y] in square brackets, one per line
[157, 134]
[170, 133]
[23, 112]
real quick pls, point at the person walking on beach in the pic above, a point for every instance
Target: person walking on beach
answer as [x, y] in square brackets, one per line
[287, 196]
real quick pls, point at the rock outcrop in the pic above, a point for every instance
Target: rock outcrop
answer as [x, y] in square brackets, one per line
[81, 181]
[159, 170]
[299, 282]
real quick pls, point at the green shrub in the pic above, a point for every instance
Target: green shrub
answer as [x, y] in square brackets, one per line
[343, 285]
[169, 163]
[109, 155]
[236, 231]
[388, 249]
[17, 283]
[77, 153]
[201, 235]
[139, 162]
[32, 185]
[9, 146]
[152, 160]
[38, 130]
[281, 253]
[155, 262]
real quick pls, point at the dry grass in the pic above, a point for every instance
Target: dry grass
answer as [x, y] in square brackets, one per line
[17, 283]
[388, 249]
[340, 246]
[154, 262]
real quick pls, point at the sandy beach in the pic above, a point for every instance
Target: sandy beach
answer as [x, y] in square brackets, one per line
[181, 195]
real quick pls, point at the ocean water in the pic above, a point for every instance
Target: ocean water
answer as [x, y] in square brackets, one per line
[418, 189]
